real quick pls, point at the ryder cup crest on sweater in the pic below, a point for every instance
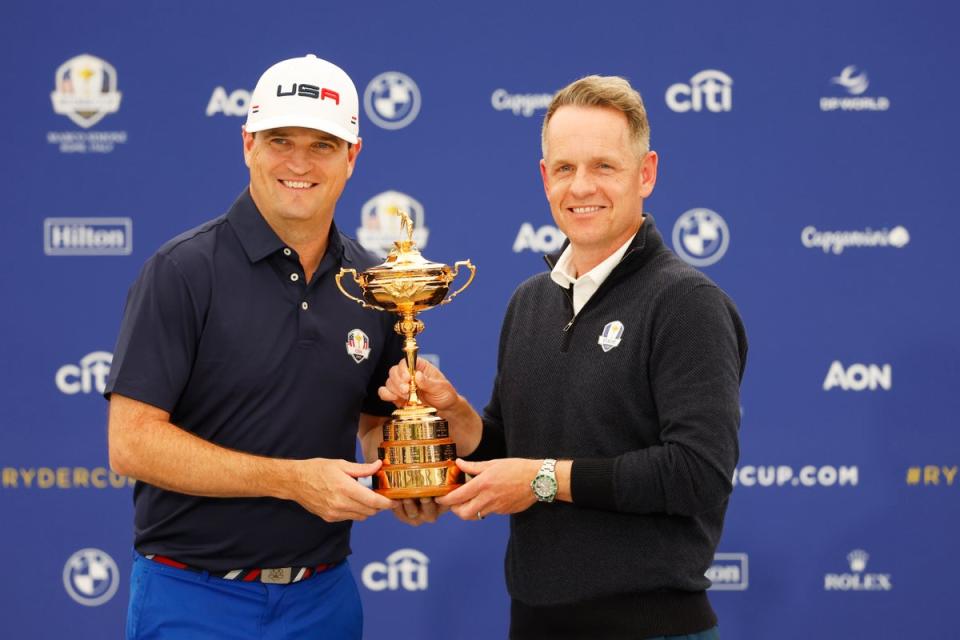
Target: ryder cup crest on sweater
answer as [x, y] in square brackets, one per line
[610, 337]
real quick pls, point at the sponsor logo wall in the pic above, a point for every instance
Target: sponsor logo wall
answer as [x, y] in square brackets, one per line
[844, 494]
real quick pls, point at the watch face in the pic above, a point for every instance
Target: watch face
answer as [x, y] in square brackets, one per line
[545, 486]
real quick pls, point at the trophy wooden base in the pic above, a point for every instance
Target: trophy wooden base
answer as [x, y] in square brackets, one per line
[418, 456]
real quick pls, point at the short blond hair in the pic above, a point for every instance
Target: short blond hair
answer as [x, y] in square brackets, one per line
[612, 92]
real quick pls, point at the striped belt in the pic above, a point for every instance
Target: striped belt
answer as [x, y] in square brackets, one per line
[278, 575]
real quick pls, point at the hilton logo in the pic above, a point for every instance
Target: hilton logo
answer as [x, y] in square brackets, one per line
[87, 236]
[729, 572]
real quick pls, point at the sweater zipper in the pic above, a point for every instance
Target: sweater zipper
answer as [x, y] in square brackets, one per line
[566, 331]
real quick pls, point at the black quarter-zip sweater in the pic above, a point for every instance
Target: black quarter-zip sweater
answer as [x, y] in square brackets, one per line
[650, 424]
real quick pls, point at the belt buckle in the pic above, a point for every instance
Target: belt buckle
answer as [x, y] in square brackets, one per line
[276, 576]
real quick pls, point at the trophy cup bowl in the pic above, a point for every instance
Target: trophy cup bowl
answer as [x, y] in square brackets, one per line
[417, 452]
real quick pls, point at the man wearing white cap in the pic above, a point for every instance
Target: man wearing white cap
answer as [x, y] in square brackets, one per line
[240, 383]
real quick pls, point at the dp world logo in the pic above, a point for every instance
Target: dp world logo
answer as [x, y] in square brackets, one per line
[392, 100]
[701, 237]
[380, 226]
[91, 577]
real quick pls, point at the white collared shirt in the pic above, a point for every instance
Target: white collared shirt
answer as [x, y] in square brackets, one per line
[586, 285]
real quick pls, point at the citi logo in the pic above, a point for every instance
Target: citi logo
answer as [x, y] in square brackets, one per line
[859, 377]
[729, 572]
[857, 580]
[405, 569]
[235, 103]
[521, 104]
[546, 239]
[710, 89]
[87, 236]
[92, 373]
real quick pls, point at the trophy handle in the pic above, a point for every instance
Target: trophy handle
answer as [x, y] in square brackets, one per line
[362, 303]
[456, 270]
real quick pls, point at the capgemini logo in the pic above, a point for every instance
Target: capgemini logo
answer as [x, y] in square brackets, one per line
[405, 569]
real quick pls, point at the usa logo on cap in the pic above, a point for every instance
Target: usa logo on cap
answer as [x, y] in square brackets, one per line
[358, 345]
[610, 337]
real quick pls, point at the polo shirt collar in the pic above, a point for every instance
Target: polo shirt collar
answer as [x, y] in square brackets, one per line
[256, 236]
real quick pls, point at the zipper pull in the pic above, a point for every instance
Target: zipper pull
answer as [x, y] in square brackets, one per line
[570, 324]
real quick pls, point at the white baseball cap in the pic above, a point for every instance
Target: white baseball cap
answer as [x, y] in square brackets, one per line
[306, 92]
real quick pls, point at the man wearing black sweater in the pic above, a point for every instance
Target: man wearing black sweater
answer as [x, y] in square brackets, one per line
[611, 435]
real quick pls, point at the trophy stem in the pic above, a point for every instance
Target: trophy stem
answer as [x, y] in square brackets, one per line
[409, 326]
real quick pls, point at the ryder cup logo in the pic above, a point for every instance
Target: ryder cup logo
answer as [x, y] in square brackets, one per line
[85, 90]
[405, 569]
[91, 577]
[701, 237]
[610, 337]
[392, 100]
[710, 89]
[380, 226]
[358, 345]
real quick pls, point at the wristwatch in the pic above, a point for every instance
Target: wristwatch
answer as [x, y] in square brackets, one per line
[545, 484]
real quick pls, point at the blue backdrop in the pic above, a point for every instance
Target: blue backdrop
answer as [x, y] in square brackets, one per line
[807, 162]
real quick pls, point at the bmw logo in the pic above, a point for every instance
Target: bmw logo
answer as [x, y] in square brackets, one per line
[392, 100]
[91, 577]
[701, 237]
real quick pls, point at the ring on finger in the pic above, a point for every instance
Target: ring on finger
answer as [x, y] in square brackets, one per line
[479, 515]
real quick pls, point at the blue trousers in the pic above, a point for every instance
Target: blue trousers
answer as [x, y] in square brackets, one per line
[170, 604]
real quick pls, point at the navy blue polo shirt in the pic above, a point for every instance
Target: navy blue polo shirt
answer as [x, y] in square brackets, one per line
[222, 331]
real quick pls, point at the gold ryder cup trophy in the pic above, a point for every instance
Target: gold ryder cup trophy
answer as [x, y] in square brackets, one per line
[417, 451]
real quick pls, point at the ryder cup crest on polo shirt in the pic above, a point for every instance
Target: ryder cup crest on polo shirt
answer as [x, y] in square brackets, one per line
[380, 226]
[85, 90]
[610, 336]
[358, 345]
